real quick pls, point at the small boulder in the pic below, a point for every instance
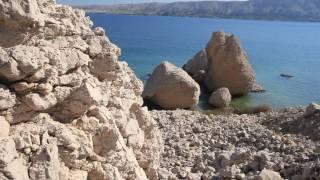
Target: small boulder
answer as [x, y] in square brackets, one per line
[312, 109]
[197, 66]
[220, 98]
[171, 88]
[268, 175]
[228, 65]
[4, 127]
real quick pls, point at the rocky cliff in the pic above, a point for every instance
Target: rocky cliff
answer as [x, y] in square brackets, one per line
[75, 111]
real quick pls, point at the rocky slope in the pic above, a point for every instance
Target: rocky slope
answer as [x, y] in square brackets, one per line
[199, 146]
[74, 109]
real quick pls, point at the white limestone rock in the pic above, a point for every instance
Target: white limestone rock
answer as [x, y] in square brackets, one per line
[11, 164]
[268, 175]
[228, 65]
[7, 99]
[65, 93]
[170, 87]
[4, 127]
[220, 98]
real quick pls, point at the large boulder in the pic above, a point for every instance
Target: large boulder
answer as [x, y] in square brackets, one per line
[170, 87]
[228, 65]
[220, 98]
[197, 66]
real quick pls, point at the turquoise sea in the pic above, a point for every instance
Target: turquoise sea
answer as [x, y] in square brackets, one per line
[273, 48]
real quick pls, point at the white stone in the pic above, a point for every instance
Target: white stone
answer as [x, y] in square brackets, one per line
[4, 127]
[268, 175]
[220, 98]
[170, 87]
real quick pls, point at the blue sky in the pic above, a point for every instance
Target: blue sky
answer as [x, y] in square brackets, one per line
[83, 2]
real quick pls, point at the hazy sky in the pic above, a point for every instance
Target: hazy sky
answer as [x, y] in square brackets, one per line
[81, 2]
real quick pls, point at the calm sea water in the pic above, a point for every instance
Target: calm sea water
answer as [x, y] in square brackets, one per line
[273, 48]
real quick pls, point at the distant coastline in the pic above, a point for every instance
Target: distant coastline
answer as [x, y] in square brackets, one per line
[272, 10]
[208, 17]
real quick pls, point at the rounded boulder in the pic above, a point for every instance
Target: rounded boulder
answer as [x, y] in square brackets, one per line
[171, 88]
[220, 98]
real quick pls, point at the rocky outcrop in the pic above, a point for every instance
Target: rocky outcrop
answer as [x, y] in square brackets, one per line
[220, 98]
[74, 109]
[228, 65]
[197, 66]
[170, 87]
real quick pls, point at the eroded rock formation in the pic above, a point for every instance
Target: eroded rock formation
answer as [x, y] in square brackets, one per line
[171, 88]
[228, 65]
[74, 109]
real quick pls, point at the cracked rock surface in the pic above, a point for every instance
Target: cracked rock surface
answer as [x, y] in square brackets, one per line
[69, 109]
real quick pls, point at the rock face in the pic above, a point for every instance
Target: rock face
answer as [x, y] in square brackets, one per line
[228, 65]
[74, 109]
[170, 87]
[220, 98]
[197, 66]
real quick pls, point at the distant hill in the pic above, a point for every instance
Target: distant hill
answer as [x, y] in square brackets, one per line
[293, 10]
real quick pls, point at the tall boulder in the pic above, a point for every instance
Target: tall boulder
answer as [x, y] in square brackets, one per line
[69, 108]
[228, 65]
[171, 88]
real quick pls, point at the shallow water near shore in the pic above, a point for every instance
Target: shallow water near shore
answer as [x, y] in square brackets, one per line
[273, 48]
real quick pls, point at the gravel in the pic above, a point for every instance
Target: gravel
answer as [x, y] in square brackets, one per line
[199, 146]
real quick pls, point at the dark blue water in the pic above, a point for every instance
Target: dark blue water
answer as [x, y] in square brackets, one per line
[273, 48]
